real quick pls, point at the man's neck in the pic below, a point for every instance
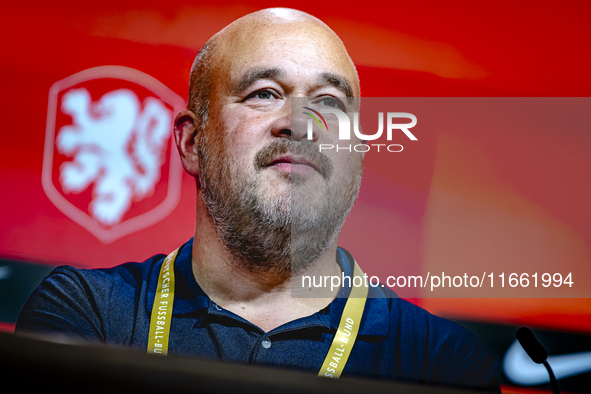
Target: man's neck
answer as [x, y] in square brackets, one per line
[265, 299]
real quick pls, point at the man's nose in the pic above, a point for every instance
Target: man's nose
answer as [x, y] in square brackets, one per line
[293, 124]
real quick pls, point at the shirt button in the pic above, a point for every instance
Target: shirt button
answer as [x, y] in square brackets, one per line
[266, 343]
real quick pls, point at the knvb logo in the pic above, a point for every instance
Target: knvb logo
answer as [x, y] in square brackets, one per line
[107, 161]
[344, 130]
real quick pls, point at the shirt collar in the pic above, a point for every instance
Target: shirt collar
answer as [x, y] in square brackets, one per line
[189, 297]
[376, 315]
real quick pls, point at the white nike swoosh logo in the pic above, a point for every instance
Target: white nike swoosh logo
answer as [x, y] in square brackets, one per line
[520, 368]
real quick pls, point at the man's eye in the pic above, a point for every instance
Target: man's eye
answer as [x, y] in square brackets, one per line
[329, 102]
[332, 102]
[263, 94]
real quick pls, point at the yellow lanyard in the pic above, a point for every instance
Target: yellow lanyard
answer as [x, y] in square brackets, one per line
[344, 339]
[162, 309]
[337, 355]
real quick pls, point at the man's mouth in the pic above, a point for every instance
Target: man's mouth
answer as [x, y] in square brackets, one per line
[294, 157]
[294, 164]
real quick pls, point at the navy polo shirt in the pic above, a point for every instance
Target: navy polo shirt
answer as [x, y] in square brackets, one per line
[396, 340]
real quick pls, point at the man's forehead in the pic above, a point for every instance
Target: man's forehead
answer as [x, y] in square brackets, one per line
[322, 79]
[264, 42]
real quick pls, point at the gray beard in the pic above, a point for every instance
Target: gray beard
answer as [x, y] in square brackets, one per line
[281, 236]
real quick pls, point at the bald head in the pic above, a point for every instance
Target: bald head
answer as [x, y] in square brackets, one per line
[257, 42]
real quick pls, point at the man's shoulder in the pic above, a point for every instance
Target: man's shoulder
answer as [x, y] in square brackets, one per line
[410, 320]
[413, 319]
[86, 302]
[451, 353]
[127, 275]
[107, 287]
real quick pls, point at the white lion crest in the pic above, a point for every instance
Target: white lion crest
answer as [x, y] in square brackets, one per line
[115, 145]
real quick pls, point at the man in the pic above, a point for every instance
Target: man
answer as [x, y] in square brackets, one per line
[270, 206]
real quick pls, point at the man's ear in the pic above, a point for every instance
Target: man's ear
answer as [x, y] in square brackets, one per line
[185, 133]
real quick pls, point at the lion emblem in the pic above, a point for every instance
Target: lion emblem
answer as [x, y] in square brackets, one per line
[117, 144]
